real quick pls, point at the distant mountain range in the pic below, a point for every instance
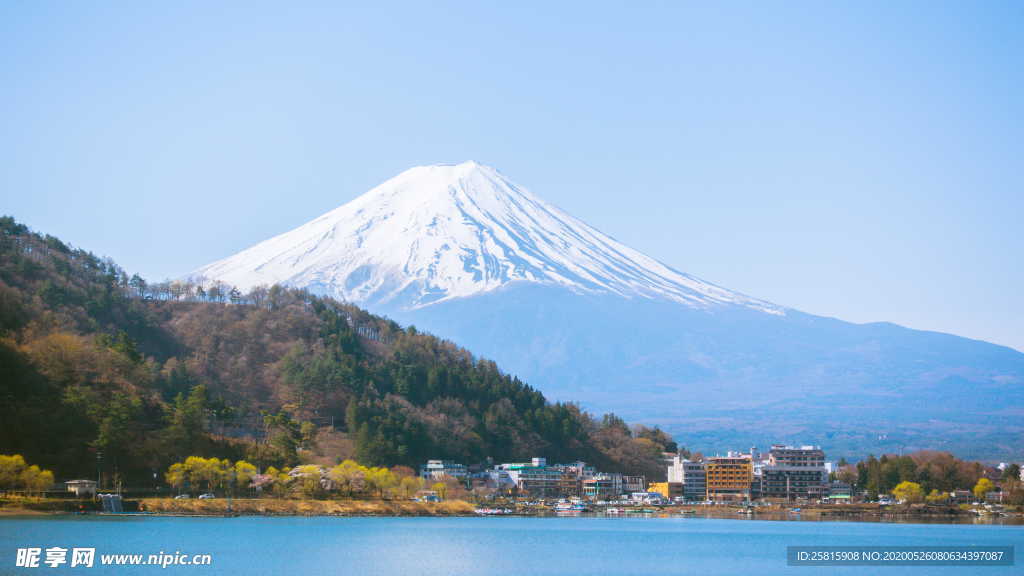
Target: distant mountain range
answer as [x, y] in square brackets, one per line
[465, 253]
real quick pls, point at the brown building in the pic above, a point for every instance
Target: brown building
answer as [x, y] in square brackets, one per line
[728, 477]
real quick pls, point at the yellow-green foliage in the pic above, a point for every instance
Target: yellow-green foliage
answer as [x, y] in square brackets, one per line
[309, 477]
[440, 488]
[410, 485]
[909, 492]
[293, 507]
[983, 487]
[210, 473]
[15, 474]
[349, 478]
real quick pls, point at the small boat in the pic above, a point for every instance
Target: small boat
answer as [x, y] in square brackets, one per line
[492, 511]
[570, 505]
[613, 511]
[794, 511]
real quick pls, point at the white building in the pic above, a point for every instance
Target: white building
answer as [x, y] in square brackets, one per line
[675, 470]
[81, 487]
[438, 469]
[647, 498]
[691, 475]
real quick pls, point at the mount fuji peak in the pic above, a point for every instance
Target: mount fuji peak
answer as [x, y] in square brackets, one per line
[436, 233]
[463, 252]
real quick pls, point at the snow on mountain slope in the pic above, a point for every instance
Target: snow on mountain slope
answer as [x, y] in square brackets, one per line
[436, 233]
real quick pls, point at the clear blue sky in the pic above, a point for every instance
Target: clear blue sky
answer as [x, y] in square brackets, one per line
[861, 160]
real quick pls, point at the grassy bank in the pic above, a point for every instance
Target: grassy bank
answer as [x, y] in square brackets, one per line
[277, 507]
[28, 506]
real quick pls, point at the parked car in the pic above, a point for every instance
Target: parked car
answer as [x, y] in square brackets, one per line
[182, 497]
[207, 496]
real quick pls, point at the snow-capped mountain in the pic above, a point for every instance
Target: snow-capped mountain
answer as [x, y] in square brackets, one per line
[435, 233]
[463, 252]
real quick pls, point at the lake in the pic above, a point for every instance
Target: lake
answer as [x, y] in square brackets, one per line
[464, 546]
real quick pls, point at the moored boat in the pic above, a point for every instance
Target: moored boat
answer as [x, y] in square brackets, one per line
[567, 506]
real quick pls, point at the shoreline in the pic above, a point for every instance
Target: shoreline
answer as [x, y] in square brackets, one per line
[275, 507]
[458, 508]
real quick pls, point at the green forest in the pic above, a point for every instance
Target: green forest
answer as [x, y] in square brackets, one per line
[102, 372]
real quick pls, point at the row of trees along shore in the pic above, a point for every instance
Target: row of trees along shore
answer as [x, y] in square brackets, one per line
[352, 480]
[913, 493]
[348, 479]
[930, 476]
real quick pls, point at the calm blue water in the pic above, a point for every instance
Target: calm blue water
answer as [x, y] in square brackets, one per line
[505, 546]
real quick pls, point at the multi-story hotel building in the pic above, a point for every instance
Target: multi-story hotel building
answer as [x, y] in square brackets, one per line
[794, 472]
[728, 477]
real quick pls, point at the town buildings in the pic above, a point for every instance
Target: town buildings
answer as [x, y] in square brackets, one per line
[603, 486]
[668, 490]
[691, 475]
[538, 478]
[840, 493]
[728, 478]
[632, 484]
[437, 469]
[543, 480]
[794, 472]
[785, 472]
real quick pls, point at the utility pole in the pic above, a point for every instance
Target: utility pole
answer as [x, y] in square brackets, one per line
[234, 477]
[99, 474]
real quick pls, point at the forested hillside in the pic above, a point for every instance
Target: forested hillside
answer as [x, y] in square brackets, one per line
[99, 367]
